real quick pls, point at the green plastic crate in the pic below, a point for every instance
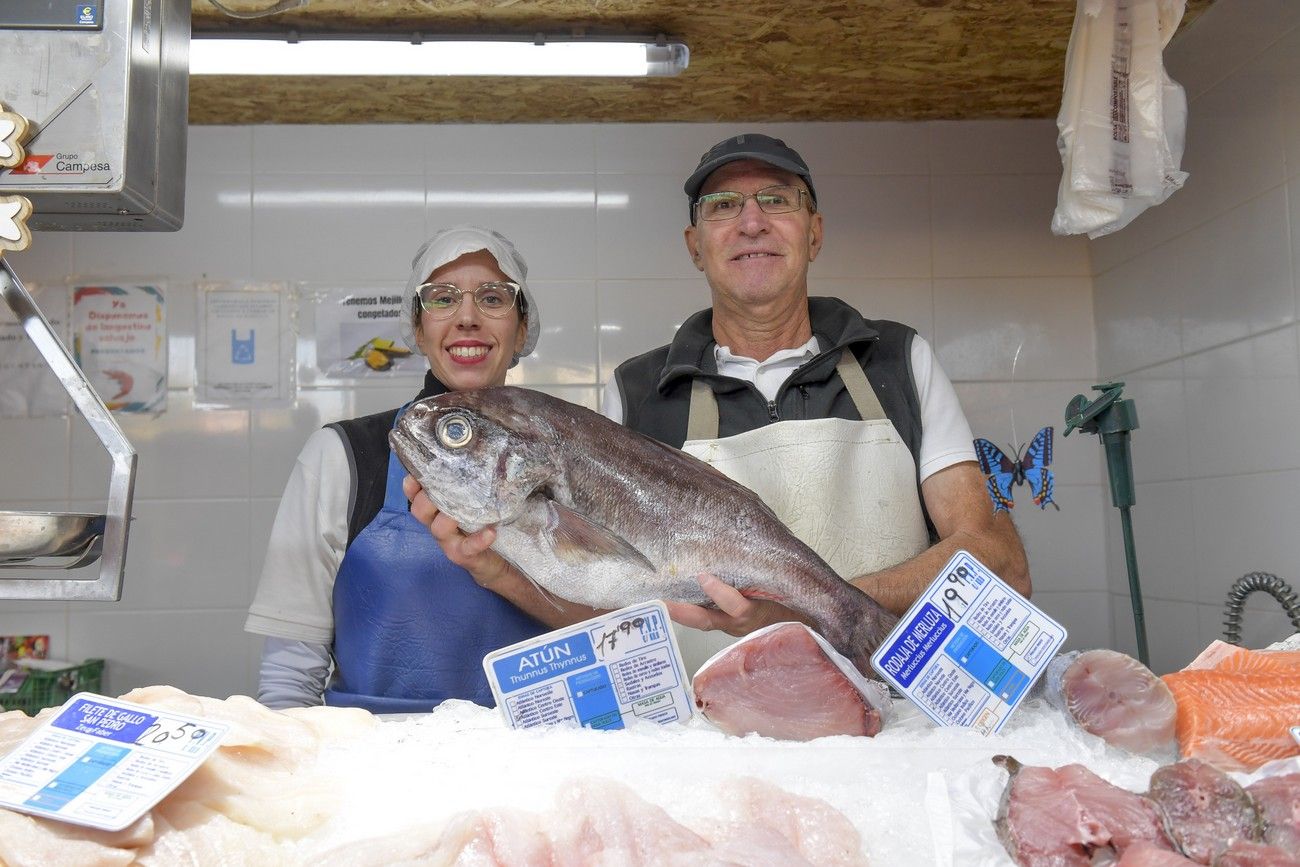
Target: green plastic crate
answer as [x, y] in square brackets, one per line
[44, 689]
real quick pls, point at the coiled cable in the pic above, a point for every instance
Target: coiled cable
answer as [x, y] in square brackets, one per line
[1253, 582]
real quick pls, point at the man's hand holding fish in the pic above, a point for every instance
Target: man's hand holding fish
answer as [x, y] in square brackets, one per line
[732, 612]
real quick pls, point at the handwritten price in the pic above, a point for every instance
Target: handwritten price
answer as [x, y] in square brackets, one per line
[168, 731]
[952, 596]
[609, 640]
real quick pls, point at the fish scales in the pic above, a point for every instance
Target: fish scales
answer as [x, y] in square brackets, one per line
[601, 515]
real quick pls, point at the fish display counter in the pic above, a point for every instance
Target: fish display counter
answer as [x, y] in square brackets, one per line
[340, 786]
[325, 786]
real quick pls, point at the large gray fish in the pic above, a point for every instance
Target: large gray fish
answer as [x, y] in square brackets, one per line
[604, 516]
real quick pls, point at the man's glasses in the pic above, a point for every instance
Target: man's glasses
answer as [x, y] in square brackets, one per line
[727, 205]
[442, 300]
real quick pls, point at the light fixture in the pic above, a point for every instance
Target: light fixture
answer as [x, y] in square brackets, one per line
[295, 53]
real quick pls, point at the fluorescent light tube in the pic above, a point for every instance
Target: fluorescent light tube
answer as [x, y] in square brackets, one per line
[432, 56]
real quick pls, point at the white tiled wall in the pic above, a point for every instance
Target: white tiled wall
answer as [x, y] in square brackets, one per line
[941, 225]
[1196, 311]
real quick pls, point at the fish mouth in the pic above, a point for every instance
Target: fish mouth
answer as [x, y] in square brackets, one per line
[409, 450]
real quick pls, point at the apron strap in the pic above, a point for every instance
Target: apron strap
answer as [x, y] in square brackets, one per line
[859, 387]
[702, 418]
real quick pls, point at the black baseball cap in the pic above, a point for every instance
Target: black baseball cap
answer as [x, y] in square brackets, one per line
[748, 146]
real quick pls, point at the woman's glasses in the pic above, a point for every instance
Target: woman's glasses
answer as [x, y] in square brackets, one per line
[494, 300]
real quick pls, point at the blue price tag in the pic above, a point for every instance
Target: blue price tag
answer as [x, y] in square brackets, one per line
[537, 663]
[969, 648]
[104, 720]
[103, 762]
[599, 673]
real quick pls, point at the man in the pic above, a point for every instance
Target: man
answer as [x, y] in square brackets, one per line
[847, 427]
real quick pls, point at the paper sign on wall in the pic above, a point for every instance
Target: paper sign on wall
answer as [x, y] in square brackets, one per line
[245, 353]
[28, 388]
[358, 334]
[120, 342]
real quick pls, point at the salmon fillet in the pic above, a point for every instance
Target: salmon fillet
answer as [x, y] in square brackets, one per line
[1235, 721]
[1222, 656]
[1261, 662]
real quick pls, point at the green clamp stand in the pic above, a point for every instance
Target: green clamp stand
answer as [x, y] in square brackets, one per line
[1114, 419]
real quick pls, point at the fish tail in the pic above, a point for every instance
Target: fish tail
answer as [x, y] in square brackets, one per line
[871, 623]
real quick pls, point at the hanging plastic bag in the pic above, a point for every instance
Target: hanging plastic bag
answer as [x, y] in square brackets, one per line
[1122, 119]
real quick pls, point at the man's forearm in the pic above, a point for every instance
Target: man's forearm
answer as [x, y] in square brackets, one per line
[897, 587]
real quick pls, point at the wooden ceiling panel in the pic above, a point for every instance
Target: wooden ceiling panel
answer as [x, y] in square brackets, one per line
[764, 60]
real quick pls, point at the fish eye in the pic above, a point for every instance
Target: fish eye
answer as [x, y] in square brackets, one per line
[454, 431]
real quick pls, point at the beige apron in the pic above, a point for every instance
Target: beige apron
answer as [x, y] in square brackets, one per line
[846, 488]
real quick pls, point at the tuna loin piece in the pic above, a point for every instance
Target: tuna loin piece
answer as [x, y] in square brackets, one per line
[782, 685]
[1144, 854]
[1114, 697]
[1063, 817]
[1245, 854]
[1278, 800]
[1205, 810]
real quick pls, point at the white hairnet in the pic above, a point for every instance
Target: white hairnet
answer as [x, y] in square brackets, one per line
[448, 245]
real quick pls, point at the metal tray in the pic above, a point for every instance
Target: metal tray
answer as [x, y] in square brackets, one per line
[26, 537]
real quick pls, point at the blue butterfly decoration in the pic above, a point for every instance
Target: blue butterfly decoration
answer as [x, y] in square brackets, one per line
[1031, 470]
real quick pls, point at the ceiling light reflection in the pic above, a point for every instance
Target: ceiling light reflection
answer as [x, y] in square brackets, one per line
[441, 198]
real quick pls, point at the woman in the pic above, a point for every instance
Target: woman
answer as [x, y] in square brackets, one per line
[352, 582]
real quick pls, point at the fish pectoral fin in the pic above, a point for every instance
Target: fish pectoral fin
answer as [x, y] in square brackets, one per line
[574, 539]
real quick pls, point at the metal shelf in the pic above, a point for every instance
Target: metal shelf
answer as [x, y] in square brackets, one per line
[52, 541]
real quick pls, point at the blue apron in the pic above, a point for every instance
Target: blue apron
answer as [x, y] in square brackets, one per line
[411, 628]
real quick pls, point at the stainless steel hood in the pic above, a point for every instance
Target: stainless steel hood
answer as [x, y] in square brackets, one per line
[105, 85]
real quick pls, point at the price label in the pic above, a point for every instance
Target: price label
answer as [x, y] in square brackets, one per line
[969, 648]
[597, 673]
[103, 762]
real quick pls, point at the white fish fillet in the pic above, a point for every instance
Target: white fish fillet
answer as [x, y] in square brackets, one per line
[475, 838]
[264, 797]
[29, 842]
[820, 833]
[596, 822]
[601, 821]
[1115, 697]
[191, 835]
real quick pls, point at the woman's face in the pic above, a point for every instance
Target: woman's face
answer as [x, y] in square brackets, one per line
[470, 350]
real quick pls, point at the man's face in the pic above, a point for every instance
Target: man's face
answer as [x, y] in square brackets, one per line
[757, 257]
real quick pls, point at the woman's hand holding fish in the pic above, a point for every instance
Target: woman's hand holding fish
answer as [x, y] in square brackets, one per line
[470, 551]
[736, 614]
[473, 553]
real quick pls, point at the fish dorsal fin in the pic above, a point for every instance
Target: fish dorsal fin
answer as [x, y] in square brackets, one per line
[576, 540]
